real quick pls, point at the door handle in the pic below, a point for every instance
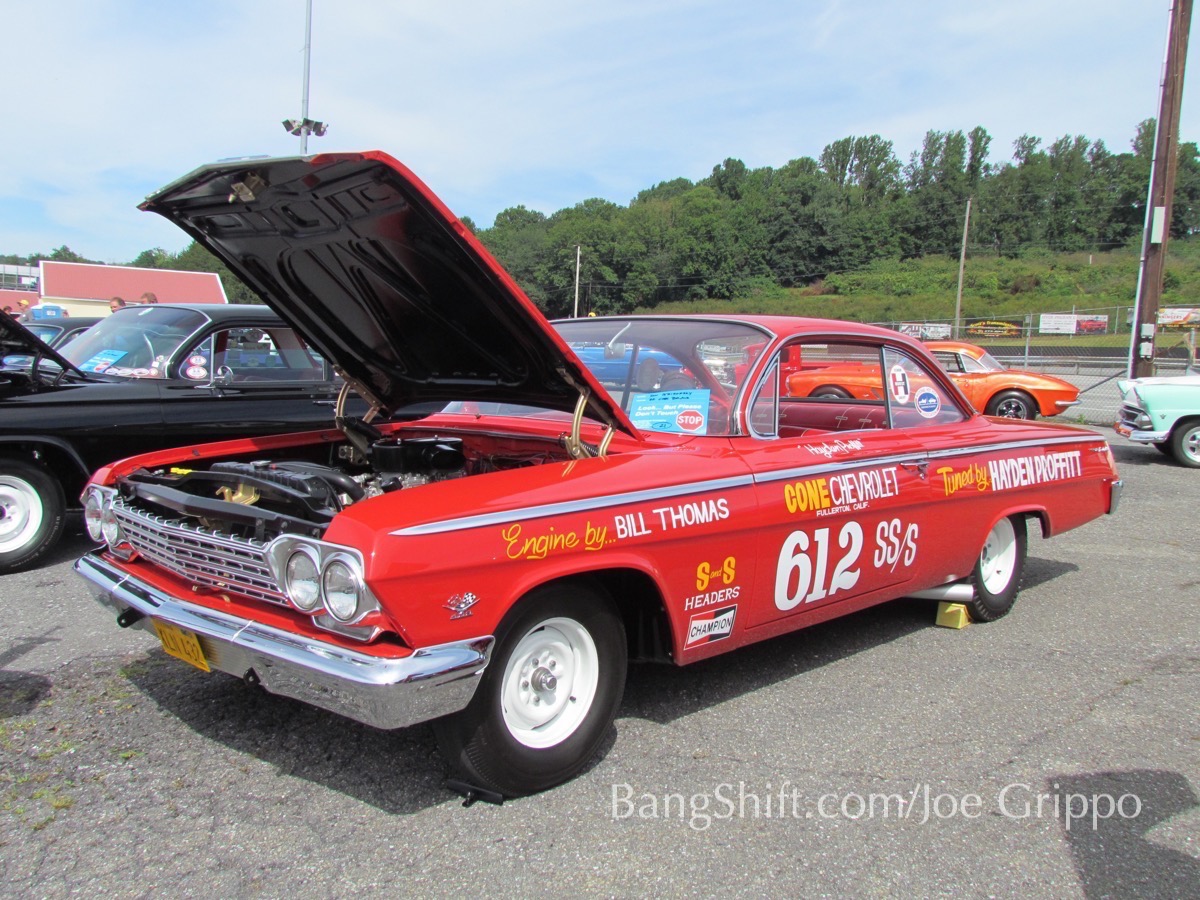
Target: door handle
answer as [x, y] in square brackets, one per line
[921, 469]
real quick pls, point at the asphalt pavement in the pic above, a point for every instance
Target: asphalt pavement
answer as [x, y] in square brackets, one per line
[1054, 753]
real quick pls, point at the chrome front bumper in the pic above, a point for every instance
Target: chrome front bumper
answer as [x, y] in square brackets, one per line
[383, 692]
[1140, 436]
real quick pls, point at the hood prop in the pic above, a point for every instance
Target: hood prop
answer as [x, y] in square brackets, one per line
[359, 432]
[574, 443]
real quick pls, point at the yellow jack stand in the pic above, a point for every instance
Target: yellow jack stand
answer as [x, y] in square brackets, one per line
[953, 615]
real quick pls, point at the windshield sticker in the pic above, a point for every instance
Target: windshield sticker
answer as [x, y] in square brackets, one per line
[102, 360]
[195, 372]
[898, 382]
[197, 360]
[683, 412]
[928, 403]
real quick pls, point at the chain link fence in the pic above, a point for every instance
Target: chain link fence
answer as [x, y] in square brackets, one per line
[1088, 347]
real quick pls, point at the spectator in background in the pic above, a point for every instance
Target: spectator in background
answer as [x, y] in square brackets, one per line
[148, 297]
[115, 303]
[8, 310]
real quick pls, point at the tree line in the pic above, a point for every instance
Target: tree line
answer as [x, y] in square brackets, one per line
[741, 230]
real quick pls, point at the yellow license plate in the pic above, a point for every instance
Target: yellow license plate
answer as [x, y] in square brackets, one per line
[182, 644]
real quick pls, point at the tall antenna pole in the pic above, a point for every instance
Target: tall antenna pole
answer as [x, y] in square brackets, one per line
[304, 126]
[304, 96]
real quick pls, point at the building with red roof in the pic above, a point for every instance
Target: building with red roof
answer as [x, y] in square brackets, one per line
[85, 289]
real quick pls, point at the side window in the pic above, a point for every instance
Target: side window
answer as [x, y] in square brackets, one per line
[951, 362]
[914, 397]
[253, 354]
[830, 388]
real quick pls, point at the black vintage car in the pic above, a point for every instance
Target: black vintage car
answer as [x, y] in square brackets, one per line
[144, 378]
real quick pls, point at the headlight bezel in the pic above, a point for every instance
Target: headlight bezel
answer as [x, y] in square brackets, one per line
[323, 555]
[342, 567]
[291, 581]
[95, 503]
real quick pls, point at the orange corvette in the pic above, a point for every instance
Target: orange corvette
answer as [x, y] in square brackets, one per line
[998, 391]
[990, 387]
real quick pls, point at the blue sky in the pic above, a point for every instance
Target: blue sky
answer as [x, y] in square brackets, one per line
[529, 102]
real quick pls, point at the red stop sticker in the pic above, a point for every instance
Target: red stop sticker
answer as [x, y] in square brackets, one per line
[689, 420]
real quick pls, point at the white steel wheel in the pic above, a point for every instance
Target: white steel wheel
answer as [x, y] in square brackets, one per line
[549, 683]
[547, 698]
[32, 513]
[997, 574]
[998, 559]
[21, 513]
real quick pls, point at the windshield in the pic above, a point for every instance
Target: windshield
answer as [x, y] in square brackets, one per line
[134, 342]
[668, 374]
[677, 375]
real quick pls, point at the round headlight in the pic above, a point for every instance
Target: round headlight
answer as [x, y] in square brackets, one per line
[93, 512]
[110, 528]
[302, 581]
[340, 585]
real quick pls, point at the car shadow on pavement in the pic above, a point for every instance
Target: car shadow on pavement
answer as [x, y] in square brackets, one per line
[1123, 829]
[402, 771]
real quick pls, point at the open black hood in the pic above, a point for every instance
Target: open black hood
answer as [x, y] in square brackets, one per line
[357, 253]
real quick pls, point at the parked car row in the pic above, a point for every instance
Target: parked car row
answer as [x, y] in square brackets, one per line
[515, 508]
[144, 378]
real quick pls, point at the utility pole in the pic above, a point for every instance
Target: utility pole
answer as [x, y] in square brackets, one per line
[1160, 193]
[962, 264]
[577, 257]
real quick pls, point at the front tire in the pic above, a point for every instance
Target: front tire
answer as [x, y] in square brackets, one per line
[547, 697]
[32, 513]
[997, 574]
[1185, 444]
[1012, 405]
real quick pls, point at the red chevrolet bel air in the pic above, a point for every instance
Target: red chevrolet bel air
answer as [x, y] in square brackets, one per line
[493, 566]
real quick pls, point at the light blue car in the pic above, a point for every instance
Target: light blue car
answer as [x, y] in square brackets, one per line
[1164, 412]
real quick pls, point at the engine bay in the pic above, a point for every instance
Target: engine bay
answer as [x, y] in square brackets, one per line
[260, 499]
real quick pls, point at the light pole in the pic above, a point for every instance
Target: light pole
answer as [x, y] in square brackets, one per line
[304, 126]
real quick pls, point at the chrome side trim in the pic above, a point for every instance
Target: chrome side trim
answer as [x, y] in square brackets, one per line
[573, 506]
[385, 692]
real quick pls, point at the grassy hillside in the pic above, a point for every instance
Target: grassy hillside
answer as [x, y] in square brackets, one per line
[924, 289]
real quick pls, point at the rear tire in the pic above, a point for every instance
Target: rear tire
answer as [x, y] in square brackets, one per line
[1012, 405]
[997, 575]
[32, 513]
[1185, 444]
[547, 698]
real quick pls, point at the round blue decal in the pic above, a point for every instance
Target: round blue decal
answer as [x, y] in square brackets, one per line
[927, 402]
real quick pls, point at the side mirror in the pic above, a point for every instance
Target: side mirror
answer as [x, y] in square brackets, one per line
[223, 377]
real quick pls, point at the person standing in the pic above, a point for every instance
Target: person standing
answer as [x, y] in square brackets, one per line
[115, 303]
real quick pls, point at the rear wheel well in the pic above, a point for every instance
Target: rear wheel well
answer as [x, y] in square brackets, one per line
[640, 604]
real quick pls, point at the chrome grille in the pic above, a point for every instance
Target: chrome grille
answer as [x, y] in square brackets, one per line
[218, 561]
